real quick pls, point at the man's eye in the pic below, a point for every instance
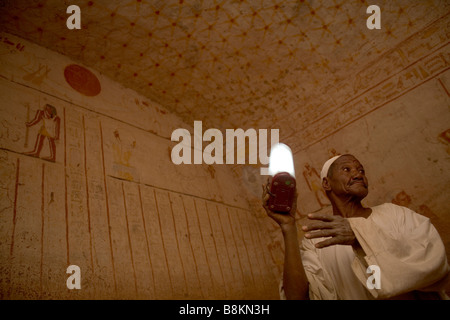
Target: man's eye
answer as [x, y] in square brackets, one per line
[346, 169]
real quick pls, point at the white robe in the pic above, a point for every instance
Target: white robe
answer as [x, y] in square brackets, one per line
[403, 244]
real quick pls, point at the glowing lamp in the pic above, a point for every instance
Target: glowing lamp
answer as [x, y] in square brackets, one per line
[283, 185]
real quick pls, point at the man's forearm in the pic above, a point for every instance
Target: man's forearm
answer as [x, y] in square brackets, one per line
[295, 282]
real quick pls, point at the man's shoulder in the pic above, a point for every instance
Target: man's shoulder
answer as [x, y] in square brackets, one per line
[391, 207]
[393, 211]
[386, 205]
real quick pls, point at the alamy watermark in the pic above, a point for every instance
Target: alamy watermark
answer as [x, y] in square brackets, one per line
[73, 22]
[373, 281]
[213, 153]
[74, 281]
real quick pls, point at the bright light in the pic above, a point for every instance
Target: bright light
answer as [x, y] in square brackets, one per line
[281, 160]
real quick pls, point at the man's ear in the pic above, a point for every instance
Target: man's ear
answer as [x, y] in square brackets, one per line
[326, 184]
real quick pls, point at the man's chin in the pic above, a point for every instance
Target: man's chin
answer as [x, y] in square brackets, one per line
[360, 192]
[362, 195]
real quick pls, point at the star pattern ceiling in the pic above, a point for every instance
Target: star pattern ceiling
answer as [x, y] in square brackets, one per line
[229, 63]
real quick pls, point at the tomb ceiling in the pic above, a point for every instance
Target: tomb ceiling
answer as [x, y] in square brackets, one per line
[231, 64]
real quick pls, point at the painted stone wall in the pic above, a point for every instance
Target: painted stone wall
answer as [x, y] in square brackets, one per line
[87, 180]
[394, 116]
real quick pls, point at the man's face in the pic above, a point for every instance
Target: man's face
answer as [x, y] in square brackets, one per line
[347, 177]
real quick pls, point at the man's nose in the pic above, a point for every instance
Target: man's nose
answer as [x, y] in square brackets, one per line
[356, 174]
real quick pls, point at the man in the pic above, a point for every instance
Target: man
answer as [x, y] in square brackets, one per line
[337, 250]
[49, 130]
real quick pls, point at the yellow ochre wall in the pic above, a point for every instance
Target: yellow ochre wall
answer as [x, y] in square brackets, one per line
[112, 202]
[139, 226]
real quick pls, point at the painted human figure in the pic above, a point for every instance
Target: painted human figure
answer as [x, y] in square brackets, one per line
[402, 199]
[444, 137]
[49, 130]
[313, 181]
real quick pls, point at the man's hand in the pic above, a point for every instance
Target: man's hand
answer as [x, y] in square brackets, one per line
[335, 227]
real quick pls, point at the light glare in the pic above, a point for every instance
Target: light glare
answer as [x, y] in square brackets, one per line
[281, 160]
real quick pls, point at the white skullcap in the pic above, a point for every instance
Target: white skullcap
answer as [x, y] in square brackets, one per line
[326, 167]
